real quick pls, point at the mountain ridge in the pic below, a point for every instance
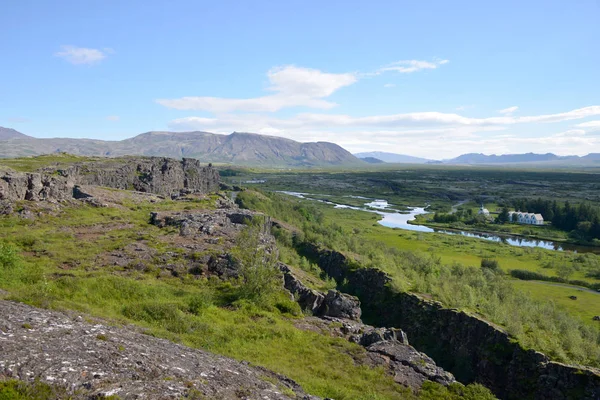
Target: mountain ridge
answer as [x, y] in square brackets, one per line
[236, 148]
[392, 157]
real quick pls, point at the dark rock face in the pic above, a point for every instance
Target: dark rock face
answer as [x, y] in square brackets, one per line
[387, 347]
[308, 299]
[163, 176]
[16, 186]
[97, 360]
[469, 347]
[341, 305]
[333, 304]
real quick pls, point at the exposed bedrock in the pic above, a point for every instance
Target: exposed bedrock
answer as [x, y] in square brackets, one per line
[163, 176]
[388, 347]
[96, 360]
[473, 349]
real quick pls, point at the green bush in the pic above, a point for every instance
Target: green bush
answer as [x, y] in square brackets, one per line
[9, 257]
[259, 274]
[490, 264]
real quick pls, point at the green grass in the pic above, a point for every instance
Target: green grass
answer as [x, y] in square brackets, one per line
[586, 306]
[448, 269]
[18, 390]
[30, 164]
[56, 267]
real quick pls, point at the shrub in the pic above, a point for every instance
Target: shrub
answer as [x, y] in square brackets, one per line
[490, 264]
[9, 257]
[260, 276]
[200, 302]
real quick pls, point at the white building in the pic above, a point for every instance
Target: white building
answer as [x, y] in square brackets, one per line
[483, 211]
[525, 218]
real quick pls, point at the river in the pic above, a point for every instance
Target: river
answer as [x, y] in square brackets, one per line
[392, 219]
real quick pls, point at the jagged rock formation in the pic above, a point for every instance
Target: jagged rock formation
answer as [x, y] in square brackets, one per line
[469, 347]
[161, 176]
[164, 176]
[34, 186]
[94, 360]
[387, 347]
[332, 304]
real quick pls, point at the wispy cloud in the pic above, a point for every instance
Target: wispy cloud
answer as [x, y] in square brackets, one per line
[463, 108]
[590, 126]
[409, 66]
[389, 85]
[113, 118]
[430, 134]
[82, 55]
[395, 121]
[17, 120]
[509, 110]
[292, 86]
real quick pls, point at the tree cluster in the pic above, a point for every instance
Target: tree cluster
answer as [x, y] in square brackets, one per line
[582, 220]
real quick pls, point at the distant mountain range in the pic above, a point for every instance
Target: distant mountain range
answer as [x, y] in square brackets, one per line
[529, 158]
[236, 148]
[7, 133]
[253, 149]
[392, 157]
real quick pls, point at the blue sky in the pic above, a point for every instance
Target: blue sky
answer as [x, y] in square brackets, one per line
[427, 78]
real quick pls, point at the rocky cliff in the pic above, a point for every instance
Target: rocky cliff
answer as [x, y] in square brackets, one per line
[163, 176]
[469, 347]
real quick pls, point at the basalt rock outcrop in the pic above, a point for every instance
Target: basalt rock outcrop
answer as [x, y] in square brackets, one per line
[332, 304]
[16, 186]
[387, 347]
[96, 360]
[473, 349]
[162, 176]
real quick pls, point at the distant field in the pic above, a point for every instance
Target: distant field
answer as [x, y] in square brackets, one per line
[586, 306]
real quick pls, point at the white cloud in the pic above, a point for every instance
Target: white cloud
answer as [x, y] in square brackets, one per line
[509, 110]
[409, 66]
[81, 55]
[566, 116]
[389, 85]
[590, 126]
[394, 121]
[292, 87]
[113, 118]
[426, 134]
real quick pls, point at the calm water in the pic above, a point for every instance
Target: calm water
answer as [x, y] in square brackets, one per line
[401, 221]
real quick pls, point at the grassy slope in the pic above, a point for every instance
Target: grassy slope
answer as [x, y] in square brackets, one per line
[58, 269]
[586, 306]
[535, 324]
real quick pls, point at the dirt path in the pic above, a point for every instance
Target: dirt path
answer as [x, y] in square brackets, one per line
[455, 207]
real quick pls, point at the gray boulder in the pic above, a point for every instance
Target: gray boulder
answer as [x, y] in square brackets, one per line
[341, 305]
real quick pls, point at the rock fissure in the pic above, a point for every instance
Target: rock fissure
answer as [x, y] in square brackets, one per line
[473, 349]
